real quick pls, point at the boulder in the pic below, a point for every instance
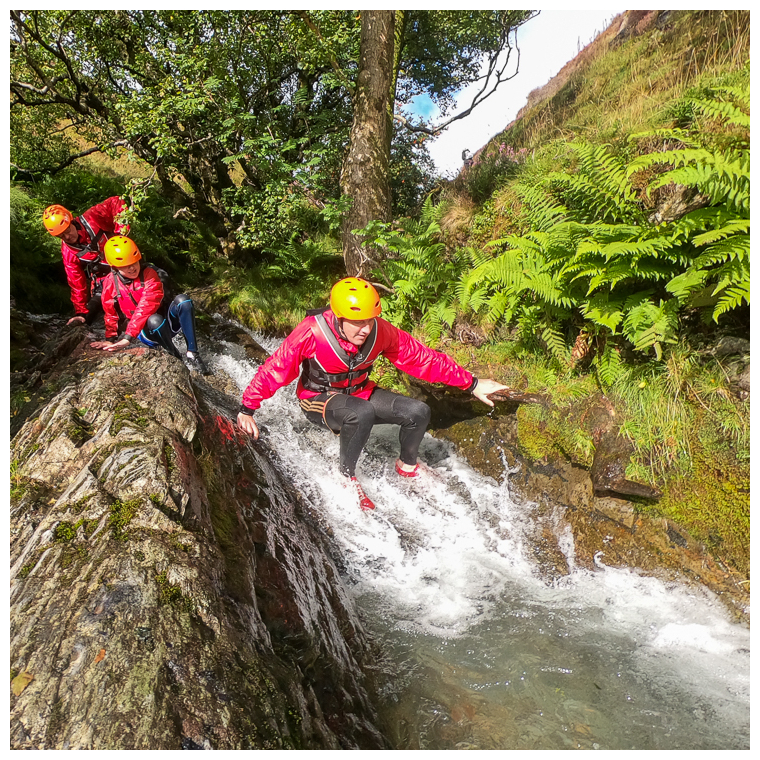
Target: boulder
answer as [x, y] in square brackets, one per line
[168, 589]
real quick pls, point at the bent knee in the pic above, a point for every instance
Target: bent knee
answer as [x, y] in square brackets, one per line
[154, 322]
[417, 411]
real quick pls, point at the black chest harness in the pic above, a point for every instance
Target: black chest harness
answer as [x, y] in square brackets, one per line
[94, 268]
[162, 275]
[315, 378]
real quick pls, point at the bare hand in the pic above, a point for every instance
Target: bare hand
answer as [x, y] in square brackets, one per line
[484, 388]
[75, 320]
[247, 423]
[106, 345]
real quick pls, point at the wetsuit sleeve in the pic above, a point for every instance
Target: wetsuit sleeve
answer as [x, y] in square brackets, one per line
[110, 317]
[76, 278]
[281, 368]
[415, 358]
[104, 215]
[150, 299]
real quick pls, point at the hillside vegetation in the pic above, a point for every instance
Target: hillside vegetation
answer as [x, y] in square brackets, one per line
[599, 245]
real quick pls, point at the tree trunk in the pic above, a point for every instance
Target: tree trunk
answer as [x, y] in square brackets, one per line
[365, 172]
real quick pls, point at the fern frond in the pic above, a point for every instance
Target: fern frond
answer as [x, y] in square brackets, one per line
[555, 342]
[542, 210]
[649, 325]
[725, 111]
[609, 366]
[604, 310]
[674, 134]
[497, 307]
[733, 248]
[733, 297]
[686, 283]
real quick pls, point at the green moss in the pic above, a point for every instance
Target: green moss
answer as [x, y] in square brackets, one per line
[18, 400]
[65, 531]
[19, 484]
[712, 502]
[537, 440]
[78, 506]
[169, 593]
[178, 544]
[78, 430]
[26, 569]
[170, 457]
[127, 413]
[122, 513]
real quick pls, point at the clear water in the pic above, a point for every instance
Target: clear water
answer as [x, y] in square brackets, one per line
[483, 652]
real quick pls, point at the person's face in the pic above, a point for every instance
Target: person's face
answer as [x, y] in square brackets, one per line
[69, 235]
[357, 330]
[131, 271]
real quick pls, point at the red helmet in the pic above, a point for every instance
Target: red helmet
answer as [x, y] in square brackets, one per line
[121, 251]
[56, 219]
[354, 298]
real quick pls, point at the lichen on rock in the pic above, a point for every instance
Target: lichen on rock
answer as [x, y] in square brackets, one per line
[158, 572]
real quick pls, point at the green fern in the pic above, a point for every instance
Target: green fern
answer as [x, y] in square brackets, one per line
[609, 366]
[425, 278]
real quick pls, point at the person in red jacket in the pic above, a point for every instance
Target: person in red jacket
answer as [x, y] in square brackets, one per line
[82, 241]
[134, 308]
[333, 351]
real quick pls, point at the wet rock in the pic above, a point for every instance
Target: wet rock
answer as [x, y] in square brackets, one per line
[168, 589]
[743, 384]
[239, 337]
[728, 345]
[575, 520]
[611, 458]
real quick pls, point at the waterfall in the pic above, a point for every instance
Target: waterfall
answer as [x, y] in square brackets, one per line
[484, 652]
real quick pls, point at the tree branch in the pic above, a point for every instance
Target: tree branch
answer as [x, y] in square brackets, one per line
[479, 96]
[70, 160]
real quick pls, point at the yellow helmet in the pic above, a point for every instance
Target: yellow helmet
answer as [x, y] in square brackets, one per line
[121, 251]
[56, 219]
[354, 298]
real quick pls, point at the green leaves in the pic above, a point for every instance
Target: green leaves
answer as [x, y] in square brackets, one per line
[423, 276]
[593, 254]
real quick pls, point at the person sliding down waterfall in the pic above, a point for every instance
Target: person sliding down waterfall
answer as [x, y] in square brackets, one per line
[134, 303]
[334, 350]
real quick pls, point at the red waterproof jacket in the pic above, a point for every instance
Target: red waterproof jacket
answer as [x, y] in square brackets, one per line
[137, 299]
[101, 217]
[308, 344]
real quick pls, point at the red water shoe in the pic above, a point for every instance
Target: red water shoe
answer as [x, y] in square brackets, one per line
[364, 501]
[410, 474]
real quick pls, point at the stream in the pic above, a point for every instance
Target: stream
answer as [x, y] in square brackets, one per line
[485, 653]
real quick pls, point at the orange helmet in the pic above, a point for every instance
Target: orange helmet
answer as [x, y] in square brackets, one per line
[121, 251]
[56, 219]
[354, 298]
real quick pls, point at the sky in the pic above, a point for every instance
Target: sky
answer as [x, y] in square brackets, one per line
[547, 42]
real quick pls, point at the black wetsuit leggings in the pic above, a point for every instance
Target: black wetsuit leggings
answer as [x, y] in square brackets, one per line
[354, 417]
[160, 329]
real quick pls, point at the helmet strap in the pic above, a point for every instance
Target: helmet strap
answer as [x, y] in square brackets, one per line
[341, 331]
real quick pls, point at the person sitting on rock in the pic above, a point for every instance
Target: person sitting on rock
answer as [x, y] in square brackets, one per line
[135, 307]
[334, 350]
[82, 241]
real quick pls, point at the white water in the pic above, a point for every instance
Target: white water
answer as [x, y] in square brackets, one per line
[487, 654]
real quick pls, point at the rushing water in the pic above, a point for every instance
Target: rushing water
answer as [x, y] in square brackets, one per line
[485, 653]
